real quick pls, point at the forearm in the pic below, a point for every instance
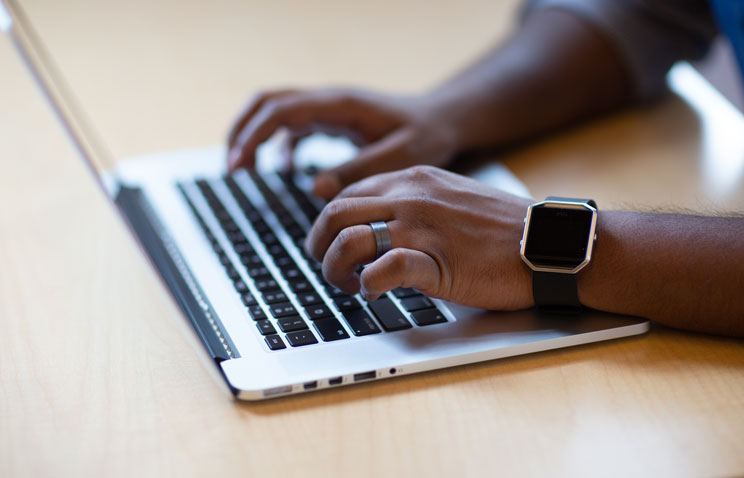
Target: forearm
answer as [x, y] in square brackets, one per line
[682, 271]
[556, 70]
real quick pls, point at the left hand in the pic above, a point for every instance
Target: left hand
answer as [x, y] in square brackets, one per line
[453, 238]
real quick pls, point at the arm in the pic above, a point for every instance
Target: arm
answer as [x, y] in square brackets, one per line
[556, 70]
[682, 271]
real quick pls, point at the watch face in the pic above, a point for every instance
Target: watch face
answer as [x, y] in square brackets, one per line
[558, 237]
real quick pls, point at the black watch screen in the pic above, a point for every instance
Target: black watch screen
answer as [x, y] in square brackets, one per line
[558, 237]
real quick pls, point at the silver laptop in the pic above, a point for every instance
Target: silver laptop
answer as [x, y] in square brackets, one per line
[228, 248]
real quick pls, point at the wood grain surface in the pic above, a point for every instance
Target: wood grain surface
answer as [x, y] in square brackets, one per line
[100, 375]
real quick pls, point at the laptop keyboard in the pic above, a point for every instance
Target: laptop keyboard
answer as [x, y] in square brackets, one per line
[287, 307]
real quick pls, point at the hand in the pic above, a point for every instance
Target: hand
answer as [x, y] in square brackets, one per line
[453, 238]
[393, 132]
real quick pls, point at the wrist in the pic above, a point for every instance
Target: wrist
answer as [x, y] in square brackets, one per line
[467, 122]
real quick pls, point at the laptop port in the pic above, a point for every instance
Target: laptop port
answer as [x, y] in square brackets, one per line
[358, 377]
[277, 391]
[310, 385]
[335, 381]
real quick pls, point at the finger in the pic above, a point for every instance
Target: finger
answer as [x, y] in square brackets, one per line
[295, 111]
[352, 247]
[388, 154]
[340, 214]
[289, 145]
[400, 267]
[250, 109]
[355, 246]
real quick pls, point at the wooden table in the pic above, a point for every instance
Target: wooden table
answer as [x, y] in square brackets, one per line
[98, 372]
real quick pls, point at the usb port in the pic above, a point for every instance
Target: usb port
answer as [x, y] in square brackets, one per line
[358, 377]
[335, 381]
[310, 385]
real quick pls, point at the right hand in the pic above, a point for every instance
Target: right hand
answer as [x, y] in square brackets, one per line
[393, 132]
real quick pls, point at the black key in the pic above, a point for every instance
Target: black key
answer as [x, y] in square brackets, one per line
[265, 327]
[300, 197]
[290, 324]
[269, 238]
[360, 322]
[276, 250]
[283, 309]
[402, 292]
[318, 311]
[236, 237]
[273, 296]
[275, 342]
[346, 303]
[287, 220]
[334, 291]
[284, 261]
[253, 216]
[296, 232]
[251, 259]
[243, 248]
[389, 316]
[260, 271]
[224, 259]
[248, 299]
[232, 272]
[240, 286]
[416, 303]
[291, 273]
[428, 317]
[257, 312]
[222, 215]
[266, 284]
[261, 227]
[302, 337]
[330, 330]
[300, 285]
[230, 226]
[309, 298]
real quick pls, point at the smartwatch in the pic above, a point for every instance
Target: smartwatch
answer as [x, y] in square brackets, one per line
[557, 242]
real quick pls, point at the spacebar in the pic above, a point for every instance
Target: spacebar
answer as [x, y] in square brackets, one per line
[389, 315]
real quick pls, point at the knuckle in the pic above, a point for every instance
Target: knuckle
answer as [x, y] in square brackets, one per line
[419, 172]
[272, 108]
[334, 210]
[345, 242]
[396, 260]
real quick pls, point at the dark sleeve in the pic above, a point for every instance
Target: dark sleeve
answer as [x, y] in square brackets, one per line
[650, 35]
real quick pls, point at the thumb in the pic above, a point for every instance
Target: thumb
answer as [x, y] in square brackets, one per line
[387, 154]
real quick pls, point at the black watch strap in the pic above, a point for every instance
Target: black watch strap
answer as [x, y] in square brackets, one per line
[556, 293]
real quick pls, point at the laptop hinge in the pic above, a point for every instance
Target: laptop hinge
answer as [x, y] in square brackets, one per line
[175, 273]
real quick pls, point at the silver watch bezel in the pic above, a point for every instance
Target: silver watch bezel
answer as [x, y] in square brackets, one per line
[590, 239]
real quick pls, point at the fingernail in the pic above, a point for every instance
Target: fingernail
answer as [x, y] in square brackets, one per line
[366, 294]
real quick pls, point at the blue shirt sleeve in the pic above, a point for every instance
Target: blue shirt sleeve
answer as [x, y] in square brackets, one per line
[650, 35]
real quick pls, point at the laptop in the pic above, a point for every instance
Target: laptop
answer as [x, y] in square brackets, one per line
[229, 250]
